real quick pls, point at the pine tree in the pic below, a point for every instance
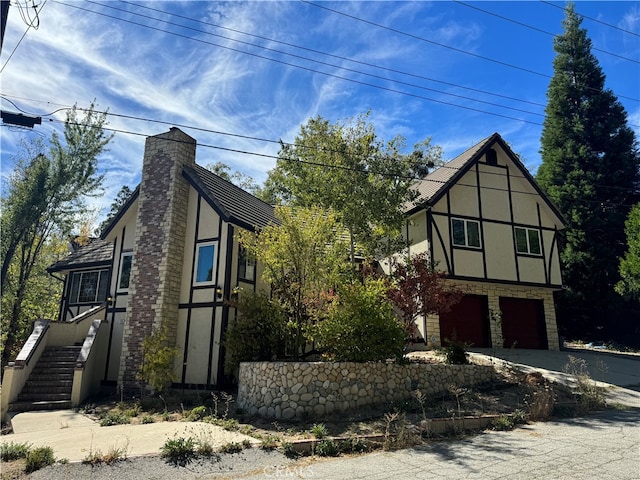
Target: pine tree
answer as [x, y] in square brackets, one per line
[590, 168]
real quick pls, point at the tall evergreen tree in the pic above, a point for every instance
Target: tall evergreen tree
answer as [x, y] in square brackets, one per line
[590, 168]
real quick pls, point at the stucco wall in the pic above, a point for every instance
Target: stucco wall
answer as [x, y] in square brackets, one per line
[292, 389]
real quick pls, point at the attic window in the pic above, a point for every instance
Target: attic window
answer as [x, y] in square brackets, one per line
[492, 157]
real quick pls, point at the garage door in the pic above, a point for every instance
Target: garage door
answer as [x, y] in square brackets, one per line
[467, 321]
[523, 323]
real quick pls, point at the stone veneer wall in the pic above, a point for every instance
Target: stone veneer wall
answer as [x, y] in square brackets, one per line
[159, 246]
[292, 389]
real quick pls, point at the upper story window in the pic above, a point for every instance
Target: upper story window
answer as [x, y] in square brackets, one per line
[125, 271]
[89, 287]
[466, 233]
[528, 241]
[205, 260]
[246, 265]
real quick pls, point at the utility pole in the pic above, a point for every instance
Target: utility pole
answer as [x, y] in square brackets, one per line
[4, 13]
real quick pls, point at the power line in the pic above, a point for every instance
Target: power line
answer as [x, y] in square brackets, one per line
[339, 57]
[29, 27]
[309, 69]
[531, 27]
[593, 19]
[422, 39]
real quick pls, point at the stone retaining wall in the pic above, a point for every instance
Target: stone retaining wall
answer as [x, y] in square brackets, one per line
[293, 389]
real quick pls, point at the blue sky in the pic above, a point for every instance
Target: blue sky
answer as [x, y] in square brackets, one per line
[233, 74]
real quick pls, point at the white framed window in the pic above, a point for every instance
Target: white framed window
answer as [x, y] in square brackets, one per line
[466, 233]
[125, 271]
[528, 241]
[89, 287]
[205, 262]
[246, 265]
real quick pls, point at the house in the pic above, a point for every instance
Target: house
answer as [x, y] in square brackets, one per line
[486, 223]
[171, 257]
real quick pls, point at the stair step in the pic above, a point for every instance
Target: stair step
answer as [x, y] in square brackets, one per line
[40, 390]
[42, 397]
[40, 405]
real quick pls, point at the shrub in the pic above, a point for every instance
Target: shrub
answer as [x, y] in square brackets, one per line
[288, 450]
[327, 448]
[270, 442]
[319, 430]
[197, 413]
[257, 333]
[179, 451]
[361, 326]
[503, 423]
[156, 369]
[455, 352]
[112, 418]
[38, 458]
[14, 451]
[231, 447]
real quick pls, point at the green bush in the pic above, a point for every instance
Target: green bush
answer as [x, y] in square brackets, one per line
[256, 334]
[319, 430]
[179, 451]
[38, 458]
[361, 326]
[14, 451]
[327, 448]
[112, 418]
[455, 353]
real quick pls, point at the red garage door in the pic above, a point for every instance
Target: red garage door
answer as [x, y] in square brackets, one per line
[467, 321]
[523, 323]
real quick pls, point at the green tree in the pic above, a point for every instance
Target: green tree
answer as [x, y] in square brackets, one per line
[590, 169]
[46, 195]
[361, 325]
[239, 179]
[345, 167]
[304, 258]
[121, 198]
[257, 333]
[630, 263]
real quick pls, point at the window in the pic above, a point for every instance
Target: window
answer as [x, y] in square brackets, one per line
[246, 265]
[89, 287]
[528, 241]
[125, 271]
[466, 233]
[204, 262]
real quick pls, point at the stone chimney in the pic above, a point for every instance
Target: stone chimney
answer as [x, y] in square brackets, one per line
[156, 272]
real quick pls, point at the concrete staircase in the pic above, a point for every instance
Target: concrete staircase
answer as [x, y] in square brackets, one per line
[49, 385]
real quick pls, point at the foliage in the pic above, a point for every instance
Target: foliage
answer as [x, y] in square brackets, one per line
[38, 458]
[361, 326]
[231, 447]
[455, 352]
[179, 450]
[326, 448]
[113, 418]
[45, 196]
[257, 333]
[239, 179]
[319, 430]
[121, 198]
[630, 263]
[303, 258]
[590, 169]
[13, 451]
[417, 289]
[156, 369]
[346, 168]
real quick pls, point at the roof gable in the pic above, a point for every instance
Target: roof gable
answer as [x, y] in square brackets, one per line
[232, 203]
[435, 185]
[97, 253]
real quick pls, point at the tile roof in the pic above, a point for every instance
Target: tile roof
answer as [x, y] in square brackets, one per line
[97, 253]
[441, 178]
[232, 203]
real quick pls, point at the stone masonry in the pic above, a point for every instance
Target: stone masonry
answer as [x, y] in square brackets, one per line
[295, 389]
[159, 247]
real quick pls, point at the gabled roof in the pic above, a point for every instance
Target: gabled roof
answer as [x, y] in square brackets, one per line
[97, 253]
[231, 202]
[435, 185]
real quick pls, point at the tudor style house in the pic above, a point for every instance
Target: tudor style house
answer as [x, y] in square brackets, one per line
[486, 223]
[171, 257]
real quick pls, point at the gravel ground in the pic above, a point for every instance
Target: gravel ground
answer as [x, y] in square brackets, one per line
[254, 460]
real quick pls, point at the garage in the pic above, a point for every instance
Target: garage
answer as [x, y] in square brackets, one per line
[523, 324]
[467, 322]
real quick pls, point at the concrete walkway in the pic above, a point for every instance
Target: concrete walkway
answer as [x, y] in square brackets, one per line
[75, 436]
